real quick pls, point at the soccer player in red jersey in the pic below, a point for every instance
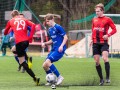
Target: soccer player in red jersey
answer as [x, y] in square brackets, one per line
[19, 27]
[100, 35]
[28, 59]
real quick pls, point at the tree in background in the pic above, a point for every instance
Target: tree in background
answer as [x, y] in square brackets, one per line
[70, 10]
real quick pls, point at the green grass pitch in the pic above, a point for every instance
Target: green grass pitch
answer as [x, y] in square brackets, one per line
[79, 74]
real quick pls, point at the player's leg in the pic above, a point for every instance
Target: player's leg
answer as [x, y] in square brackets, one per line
[9, 45]
[28, 60]
[3, 49]
[13, 49]
[16, 58]
[50, 67]
[46, 65]
[29, 71]
[105, 54]
[20, 48]
[96, 54]
[98, 68]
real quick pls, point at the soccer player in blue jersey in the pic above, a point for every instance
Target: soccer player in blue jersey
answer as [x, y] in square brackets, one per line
[58, 41]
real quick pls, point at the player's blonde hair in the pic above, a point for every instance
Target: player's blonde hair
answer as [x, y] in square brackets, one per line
[101, 6]
[14, 13]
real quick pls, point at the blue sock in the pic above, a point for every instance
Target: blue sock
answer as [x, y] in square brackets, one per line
[54, 70]
[16, 58]
[49, 71]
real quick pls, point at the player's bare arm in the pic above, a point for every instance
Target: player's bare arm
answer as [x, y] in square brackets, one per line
[63, 43]
[46, 43]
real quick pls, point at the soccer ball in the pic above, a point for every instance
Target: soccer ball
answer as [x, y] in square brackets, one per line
[51, 78]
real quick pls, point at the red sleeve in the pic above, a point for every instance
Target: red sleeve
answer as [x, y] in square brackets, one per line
[113, 27]
[10, 30]
[32, 25]
[7, 28]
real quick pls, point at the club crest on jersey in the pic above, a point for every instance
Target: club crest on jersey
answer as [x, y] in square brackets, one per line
[53, 32]
[53, 36]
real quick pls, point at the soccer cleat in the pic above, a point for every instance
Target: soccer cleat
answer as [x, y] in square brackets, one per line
[37, 81]
[59, 80]
[101, 82]
[48, 84]
[19, 68]
[23, 70]
[30, 62]
[107, 80]
[30, 59]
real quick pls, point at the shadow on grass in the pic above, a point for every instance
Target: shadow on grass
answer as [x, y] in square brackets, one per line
[94, 82]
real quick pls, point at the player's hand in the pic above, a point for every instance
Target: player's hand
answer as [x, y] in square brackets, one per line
[91, 42]
[11, 39]
[43, 45]
[105, 37]
[60, 49]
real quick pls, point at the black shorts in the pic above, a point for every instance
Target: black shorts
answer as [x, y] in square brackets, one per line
[99, 48]
[20, 48]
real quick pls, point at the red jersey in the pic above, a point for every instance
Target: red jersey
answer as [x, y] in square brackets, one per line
[100, 27]
[19, 27]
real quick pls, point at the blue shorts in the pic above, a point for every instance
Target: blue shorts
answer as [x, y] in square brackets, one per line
[54, 56]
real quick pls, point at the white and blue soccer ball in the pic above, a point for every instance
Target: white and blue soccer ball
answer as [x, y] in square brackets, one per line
[51, 78]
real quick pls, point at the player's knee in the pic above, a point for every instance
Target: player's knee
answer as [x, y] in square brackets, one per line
[46, 64]
[105, 58]
[97, 63]
[43, 65]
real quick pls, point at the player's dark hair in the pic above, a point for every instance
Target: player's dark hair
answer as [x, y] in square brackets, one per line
[14, 13]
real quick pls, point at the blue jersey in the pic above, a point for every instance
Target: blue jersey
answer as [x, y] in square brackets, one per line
[57, 35]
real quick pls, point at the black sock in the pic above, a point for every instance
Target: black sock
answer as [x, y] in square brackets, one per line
[26, 57]
[20, 66]
[29, 71]
[99, 71]
[107, 69]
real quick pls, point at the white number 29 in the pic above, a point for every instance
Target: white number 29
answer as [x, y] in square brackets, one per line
[19, 24]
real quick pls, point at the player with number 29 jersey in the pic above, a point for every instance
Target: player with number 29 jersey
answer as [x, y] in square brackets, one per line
[19, 26]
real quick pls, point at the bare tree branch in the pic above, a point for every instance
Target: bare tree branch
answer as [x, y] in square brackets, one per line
[65, 6]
